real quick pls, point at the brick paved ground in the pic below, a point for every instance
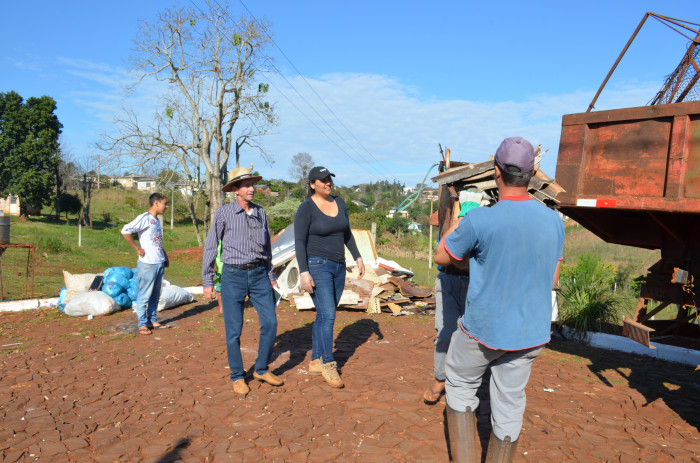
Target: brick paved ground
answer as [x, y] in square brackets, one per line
[79, 390]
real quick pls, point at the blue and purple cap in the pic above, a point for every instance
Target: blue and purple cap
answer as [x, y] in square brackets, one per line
[515, 156]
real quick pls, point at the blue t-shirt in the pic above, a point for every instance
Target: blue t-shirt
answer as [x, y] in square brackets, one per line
[514, 247]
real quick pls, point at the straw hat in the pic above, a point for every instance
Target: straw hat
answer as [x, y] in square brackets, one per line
[236, 175]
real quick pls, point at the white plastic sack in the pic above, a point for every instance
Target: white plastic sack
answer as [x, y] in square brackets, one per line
[172, 296]
[78, 283]
[91, 303]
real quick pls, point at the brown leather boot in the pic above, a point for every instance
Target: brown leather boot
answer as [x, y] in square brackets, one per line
[463, 435]
[501, 451]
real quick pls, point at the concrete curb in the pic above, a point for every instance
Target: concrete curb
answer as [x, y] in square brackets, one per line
[620, 343]
[27, 304]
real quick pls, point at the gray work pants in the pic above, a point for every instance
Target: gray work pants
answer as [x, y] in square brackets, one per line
[466, 362]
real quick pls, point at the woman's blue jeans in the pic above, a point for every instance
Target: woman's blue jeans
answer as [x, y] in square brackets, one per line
[150, 281]
[236, 284]
[329, 281]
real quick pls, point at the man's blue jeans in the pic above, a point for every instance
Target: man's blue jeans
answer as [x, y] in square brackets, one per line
[329, 278]
[236, 284]
[150, 281]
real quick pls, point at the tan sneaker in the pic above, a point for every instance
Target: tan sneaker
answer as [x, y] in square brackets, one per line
[240, 387]
[269, 378]
[315, 367]
[330, 374]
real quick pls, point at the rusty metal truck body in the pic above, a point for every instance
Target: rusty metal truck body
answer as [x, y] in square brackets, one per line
[632, 177]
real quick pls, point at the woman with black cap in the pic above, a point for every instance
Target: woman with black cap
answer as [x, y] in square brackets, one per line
[321, 232]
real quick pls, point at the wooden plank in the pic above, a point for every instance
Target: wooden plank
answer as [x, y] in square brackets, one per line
[463, 172]
[395, 301]
[395, 308]
[407, 289]
[637, 332]
[374, 306]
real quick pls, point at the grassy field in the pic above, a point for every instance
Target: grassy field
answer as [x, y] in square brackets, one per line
[101, 247]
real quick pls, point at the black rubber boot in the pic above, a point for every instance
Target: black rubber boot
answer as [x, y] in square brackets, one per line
[463, 435]
[501, 451]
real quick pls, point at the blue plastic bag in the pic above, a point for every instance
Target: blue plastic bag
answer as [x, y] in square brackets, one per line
[118, 278]
[124, 271]
[133, 290]
[123, 301]
[62, 299]
[113, 289]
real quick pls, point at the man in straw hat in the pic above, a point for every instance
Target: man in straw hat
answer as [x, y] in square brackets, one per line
[243, 231]
[515, 249]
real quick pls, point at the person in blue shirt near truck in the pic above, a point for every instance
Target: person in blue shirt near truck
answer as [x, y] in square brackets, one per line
[515, 249]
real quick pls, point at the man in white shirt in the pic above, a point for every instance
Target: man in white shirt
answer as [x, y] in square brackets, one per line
[152, 261]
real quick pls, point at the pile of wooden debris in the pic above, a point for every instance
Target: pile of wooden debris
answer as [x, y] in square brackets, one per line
[459, 178]
[383, 289]
[464, 176]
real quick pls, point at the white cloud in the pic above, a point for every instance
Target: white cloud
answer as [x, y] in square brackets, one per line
[402, 130]
[373, 127]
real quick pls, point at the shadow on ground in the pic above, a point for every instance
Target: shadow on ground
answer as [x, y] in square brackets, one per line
[677, 385]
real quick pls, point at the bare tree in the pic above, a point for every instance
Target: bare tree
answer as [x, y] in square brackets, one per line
[210, 62]
[301, 165]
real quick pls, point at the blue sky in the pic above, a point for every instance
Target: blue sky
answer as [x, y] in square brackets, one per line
[400, 76]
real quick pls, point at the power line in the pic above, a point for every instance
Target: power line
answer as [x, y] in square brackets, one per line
[302, 97]
[317, 95]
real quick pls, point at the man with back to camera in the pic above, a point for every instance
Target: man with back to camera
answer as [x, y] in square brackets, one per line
[244, 233]
[515, 249]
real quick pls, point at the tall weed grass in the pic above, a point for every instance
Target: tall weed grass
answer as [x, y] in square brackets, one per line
[587, 298]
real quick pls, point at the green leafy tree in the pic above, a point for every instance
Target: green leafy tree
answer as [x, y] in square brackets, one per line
[286, 209]
[29, 148]
[398, 225]
[69, 204]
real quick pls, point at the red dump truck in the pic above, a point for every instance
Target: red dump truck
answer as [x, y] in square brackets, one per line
[632, 177]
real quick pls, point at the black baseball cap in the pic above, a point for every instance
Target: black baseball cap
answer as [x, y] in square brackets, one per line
[319, 173]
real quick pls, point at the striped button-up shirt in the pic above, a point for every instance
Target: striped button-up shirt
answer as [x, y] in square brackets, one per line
[245, 239]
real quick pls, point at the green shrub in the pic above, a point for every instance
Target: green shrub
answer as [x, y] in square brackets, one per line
[107, 217]
[131, 201]
[279, 223]
[53, 246]
[588, 302]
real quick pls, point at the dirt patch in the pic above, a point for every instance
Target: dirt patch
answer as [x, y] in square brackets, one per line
[73, 389]
[187, 255]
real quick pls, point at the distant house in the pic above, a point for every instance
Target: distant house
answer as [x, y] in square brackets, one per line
[415, 227]
[10, 205]
[392, 213]
[407, 190]
[146, 184]
[264, 189]
[429, 194]
[137, 182]
[359, 203]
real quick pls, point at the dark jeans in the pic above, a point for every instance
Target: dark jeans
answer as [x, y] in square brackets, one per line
[236, 284]
[329, 278]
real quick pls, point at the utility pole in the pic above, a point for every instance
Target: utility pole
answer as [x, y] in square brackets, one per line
[172, 208]
[430, 234]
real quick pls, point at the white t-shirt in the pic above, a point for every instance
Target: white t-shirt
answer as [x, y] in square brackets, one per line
[150, 237]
